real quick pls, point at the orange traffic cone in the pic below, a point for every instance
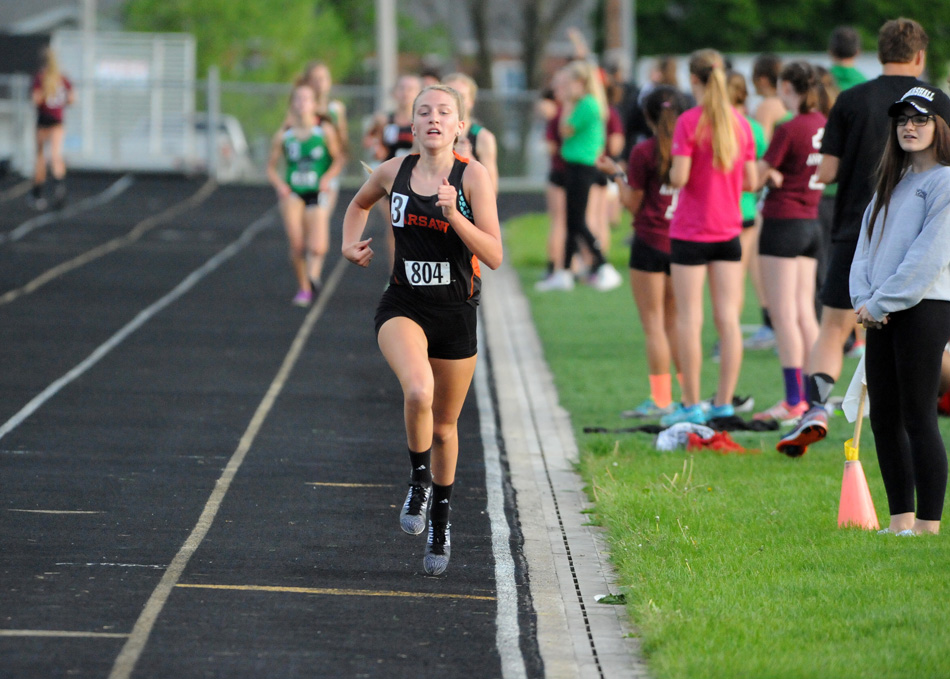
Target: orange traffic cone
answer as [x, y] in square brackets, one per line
[856, 508]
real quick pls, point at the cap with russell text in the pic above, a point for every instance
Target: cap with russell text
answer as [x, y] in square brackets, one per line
[927, 100]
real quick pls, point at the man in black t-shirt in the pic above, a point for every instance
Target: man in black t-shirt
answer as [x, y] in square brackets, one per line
[852, 145]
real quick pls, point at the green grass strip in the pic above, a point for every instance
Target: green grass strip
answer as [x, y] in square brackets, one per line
[733, 565]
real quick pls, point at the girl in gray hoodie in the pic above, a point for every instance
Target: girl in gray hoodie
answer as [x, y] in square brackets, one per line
[900, 289]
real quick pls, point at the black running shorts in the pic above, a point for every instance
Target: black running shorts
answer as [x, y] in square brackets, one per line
[836, 292]
[790, 238]
[449, 328]
[693, 253]
[647, 258]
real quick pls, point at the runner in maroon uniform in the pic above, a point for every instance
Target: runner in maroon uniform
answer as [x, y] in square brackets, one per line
[445, 222]
[52, 93]
[790, 241]
[650, 198]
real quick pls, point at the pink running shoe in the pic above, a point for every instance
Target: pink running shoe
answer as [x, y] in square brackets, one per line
[303, 298]
[782, 412]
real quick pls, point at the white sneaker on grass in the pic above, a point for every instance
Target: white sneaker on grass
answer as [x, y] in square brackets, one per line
[558, 280]
[606, 278]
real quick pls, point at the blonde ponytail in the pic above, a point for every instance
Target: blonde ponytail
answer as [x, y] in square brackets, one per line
[717, 119]
[52, 78]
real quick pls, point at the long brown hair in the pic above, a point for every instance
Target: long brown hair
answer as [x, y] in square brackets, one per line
[717, 120]
[894, 164]
[661, 108]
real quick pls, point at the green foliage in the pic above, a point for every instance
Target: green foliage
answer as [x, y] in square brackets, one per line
[681, 26]
[252, 41]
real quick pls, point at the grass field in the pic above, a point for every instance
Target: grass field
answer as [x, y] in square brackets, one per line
[733, 565]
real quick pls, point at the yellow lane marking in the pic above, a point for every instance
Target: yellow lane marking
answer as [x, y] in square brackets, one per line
[330, 591]
[60, 633]
[350, 485]
[52, 511]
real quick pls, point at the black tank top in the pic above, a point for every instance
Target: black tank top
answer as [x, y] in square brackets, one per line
[397, 139]
[430, 258]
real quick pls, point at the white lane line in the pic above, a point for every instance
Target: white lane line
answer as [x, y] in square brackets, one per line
[48, 633]
[48, 218]
[507, 632]
[95, 253]
[16, 190]
[115, 565]
[133, 648]
[141, 319]
[54, 511]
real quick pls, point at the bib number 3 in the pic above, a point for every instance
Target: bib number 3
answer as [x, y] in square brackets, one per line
[428, 273]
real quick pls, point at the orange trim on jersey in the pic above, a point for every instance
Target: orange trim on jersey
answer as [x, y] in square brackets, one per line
[476, 272]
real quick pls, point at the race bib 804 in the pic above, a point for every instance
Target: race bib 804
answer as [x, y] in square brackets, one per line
[428, 273]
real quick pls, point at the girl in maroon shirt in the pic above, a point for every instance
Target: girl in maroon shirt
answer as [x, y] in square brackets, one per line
[51, 93]
[790, 240]
[649, 197]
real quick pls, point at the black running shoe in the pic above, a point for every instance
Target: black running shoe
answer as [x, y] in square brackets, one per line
[412, 518]
[438, 549]
[813, 427]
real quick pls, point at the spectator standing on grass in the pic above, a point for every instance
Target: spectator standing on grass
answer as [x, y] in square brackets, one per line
[478, 142]
[900, 290]
[844, 45]
[645, 190]
[790, 240]
[312, 156]
[749, 204]
[769, 113]
[445, 220]
[851, 150]
[582, 129]
[51, 93]
[713, 162]
[549, 108]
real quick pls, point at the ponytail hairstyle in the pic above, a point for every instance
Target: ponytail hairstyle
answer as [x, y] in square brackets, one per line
[662, 107]
[804, 81]
[828, 89]
[737, 88]
[717, 119]
[589, 76]
[894, 163]
[52, 78]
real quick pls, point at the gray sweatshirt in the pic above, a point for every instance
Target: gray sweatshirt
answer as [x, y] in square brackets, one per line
[908, 257]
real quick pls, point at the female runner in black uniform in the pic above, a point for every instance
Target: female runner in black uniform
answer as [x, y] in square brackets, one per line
[445, 222]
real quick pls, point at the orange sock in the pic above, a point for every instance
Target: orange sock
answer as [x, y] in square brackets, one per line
[661, 389]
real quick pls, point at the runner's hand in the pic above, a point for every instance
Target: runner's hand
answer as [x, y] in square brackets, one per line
[447, 198]
[360, 252]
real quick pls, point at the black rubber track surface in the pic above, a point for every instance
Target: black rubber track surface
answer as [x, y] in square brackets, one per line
[304, 571]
